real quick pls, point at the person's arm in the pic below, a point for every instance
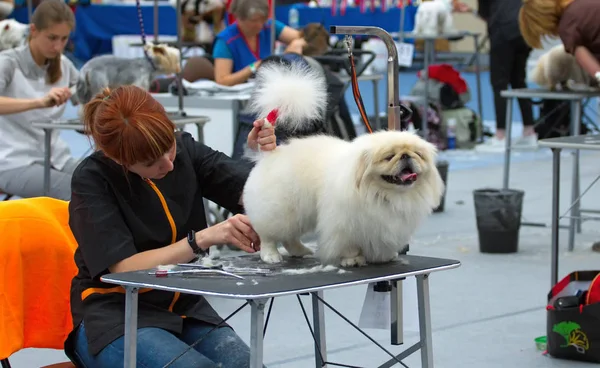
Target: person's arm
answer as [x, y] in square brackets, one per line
[224, 66]
[587, 61]
[103, 236]
[9, 105]
[286, 34]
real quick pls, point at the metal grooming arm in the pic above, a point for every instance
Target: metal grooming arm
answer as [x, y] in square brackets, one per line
[393, 107]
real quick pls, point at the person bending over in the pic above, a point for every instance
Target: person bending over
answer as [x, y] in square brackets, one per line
[137, 203]
[575, 22]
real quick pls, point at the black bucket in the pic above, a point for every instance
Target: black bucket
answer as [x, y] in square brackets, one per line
[498, 216]
[442, 167]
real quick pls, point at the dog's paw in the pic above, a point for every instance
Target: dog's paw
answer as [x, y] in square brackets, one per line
[356, 261]
[297, 249]
[269, 256]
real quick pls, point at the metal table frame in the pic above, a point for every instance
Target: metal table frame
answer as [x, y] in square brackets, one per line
[257, 316]
[75, 124]
[575, 99]
[588, 142]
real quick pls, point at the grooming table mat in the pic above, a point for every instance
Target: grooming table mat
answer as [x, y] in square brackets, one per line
[286, 278]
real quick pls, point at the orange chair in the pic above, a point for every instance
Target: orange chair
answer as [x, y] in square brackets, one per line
[37, 266]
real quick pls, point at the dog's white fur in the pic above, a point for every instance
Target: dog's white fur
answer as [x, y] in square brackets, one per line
[298, 92]
[557, 69]
[434, 18]
[335, 187]
[12, 34]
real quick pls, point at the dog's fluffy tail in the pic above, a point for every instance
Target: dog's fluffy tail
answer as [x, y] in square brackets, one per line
[297, 91]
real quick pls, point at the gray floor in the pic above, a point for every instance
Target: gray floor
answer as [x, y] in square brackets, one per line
[485, 313]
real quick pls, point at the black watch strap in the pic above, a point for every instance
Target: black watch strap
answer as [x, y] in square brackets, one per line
[191, 239]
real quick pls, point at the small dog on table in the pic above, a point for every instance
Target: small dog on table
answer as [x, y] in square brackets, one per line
[434, 18]
[113, 71]
[558, 70]
[12, 34]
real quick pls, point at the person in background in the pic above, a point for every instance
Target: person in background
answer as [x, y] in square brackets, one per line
[34, 86]
[239, 48]
[508, 66]
[137, 203]
[575, 22]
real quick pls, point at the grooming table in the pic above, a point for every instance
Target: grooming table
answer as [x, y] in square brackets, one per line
[575, 99]
[581, 142]
[75, 124]
[429, 58]
[256, 289]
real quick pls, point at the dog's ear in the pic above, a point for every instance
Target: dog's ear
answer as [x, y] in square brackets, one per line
[158, 50]
[361, 168]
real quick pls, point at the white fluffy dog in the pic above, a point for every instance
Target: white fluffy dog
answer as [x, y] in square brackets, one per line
[12, 34]
[364, 198]
[557, 69]
[434, 18]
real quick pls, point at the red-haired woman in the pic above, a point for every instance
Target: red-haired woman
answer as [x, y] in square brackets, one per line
[137, 203]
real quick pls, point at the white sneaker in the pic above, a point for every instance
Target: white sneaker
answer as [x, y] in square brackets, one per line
[492, 145]
[527, 142]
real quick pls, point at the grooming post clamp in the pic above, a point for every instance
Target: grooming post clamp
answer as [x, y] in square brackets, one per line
[393, 107]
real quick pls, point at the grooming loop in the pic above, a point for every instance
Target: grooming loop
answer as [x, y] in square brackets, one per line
[143, 34]
[349, 41]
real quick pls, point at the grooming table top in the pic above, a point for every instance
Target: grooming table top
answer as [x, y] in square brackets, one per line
[549, 95]
[293, 276]
[587, 142]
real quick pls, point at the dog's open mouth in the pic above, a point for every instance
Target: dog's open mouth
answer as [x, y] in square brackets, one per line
[405, 177]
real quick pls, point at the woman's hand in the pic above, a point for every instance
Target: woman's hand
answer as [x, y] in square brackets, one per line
[263, 136]
[56, 97]
[236, 231]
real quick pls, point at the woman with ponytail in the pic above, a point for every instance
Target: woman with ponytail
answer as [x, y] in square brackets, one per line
[34, 86]
[575, 22]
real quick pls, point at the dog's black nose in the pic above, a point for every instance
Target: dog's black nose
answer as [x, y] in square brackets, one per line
[404, 157]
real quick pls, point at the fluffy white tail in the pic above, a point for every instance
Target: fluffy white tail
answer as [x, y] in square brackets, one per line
[297, 91]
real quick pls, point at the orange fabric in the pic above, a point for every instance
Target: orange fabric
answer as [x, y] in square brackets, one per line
[36, 268]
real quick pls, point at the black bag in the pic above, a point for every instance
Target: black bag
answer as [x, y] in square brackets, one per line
[555, 120]
[573, 327]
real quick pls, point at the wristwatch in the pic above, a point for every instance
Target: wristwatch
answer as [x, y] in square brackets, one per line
[191, 239]
[253, 68]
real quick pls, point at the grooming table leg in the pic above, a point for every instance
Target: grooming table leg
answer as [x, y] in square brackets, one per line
[257, 322]
[555, 214]
[319, 329]
[575, 214]
[508, 140]
[47, 157]
[397, 327]
[425, 321]
[131, 322]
